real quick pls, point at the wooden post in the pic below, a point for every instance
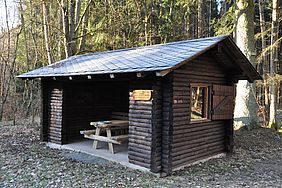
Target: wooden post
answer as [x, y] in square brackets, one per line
[95, 142]
[110, 144]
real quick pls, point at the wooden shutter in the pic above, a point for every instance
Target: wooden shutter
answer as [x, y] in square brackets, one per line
[222, 102]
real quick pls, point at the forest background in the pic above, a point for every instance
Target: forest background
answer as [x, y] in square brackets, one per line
[39, 32]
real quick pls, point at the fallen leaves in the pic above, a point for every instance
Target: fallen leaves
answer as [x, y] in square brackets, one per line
[25, 162]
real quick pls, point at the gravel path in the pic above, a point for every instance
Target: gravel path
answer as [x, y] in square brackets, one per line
[25, 162]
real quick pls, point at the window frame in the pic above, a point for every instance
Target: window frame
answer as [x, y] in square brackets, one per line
[207, 103]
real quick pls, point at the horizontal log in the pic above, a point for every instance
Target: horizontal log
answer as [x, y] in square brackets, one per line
[183, 99]
[201, 68]
[139, 154]
[54, 118]
[141, 116]
[189, 148]
[55, 111]
[55, 115]
[59, 126]
[201, 133]
[182, 141]
[138, 146]
[55, 129]
[139, 124]
[198, 73]
[55, 141]
[140, 129]
[56, 98]
[54, 136]
[180, 118]
[140, 159]
[56, 107]
[140, 103]
[142, 142]
[180, 106]
[141, 138]
[186, 109]
[183, 92]
[197, 156]
[141, 107]
[56, 101]
[184, 115]
[59, 104]
[189, 128]
[140, 150]
[147, 121]
[136, 111]
[133, 161]
[134, 132]
[57, 91]
[198, 67]
[181, 89]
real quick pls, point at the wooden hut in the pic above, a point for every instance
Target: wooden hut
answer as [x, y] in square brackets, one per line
[186, 112]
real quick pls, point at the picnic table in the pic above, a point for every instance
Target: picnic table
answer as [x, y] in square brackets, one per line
[107, 126]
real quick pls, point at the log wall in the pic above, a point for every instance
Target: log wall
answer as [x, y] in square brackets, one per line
[193, 141]
[167, 124]
[55, 113]
[145, 122]
[157, 120]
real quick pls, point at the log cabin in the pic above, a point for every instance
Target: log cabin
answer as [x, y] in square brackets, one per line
[185, 115]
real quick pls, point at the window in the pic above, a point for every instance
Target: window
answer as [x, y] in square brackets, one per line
[199, 102]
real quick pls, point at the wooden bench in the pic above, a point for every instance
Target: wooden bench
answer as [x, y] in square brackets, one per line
[108, 127]
[118, 124]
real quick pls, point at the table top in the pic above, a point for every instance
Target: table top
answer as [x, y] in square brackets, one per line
[110, 123]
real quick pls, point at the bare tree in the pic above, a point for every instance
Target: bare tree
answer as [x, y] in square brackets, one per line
[200, 18]
[9, 50]
[265, 64]
[46, 32]
[273, 61]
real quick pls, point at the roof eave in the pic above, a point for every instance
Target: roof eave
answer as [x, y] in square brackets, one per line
[250, 77]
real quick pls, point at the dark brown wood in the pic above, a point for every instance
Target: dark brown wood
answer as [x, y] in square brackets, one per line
[223, 102]
[156, 127]
[162, 136]
[140, 125]
[166, 159]
[192, 141]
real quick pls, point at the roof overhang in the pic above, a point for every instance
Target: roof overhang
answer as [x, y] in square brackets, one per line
[158, 59]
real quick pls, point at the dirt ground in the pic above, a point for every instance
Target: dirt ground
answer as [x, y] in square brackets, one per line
[25, 162]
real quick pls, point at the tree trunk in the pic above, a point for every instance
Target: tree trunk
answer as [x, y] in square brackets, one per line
[245, 113]
[273, 60]
[145, 23]
[84, 28]
[265, 64]
[200, 18]
[72, 27]
[65, 18]
[46, 32]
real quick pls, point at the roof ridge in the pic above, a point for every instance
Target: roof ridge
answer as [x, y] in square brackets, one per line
[142, 47]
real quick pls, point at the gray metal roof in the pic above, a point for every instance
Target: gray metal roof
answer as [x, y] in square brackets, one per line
[141, 59]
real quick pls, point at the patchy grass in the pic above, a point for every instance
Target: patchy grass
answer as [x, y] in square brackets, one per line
[25, 162]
